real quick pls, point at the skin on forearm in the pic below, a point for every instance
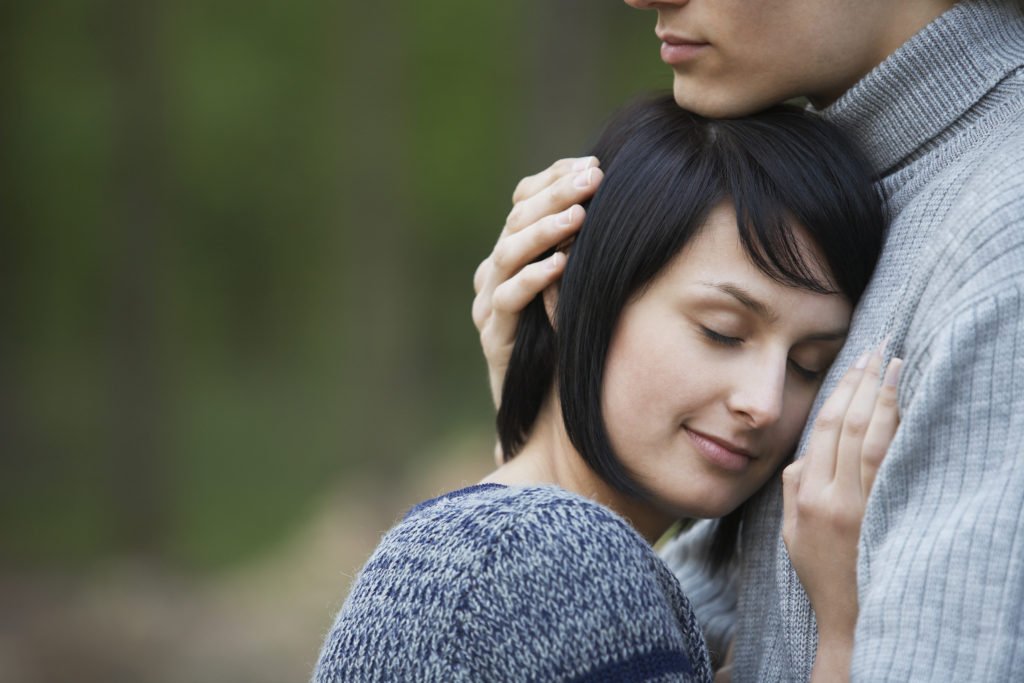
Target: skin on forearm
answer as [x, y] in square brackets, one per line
[724, 673]
[835, 645]
[832, 660]
[824, 497]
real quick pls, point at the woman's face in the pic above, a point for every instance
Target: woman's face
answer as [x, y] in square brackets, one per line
[711, 374]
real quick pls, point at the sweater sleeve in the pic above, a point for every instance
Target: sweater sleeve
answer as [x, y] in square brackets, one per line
[713, 592]
[496, 584]
[570, 593]
[941, 568]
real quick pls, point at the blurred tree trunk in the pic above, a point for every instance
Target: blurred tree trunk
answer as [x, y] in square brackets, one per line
[17, 456]
[562, 41]
[11, 418]
[139, 485]
[377, 252]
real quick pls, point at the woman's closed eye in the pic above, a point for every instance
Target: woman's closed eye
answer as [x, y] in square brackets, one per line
[719, 338]
[804, 373]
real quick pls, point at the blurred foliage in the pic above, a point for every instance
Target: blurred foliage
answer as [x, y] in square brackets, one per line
[238, 242]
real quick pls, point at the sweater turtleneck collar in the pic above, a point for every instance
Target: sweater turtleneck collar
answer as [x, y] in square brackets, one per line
[931, 80]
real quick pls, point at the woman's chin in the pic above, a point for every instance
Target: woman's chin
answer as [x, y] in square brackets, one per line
[708, 508]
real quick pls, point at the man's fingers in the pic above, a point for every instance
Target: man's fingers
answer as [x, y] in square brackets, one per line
[884, 422]
[526, 188]
[512, 253]
[482, 308]
[855, 425]
[533, 184]
[512, 296]
[481, 274]
[515, 251]
[573, 188]
[543, 217]
[824, 440]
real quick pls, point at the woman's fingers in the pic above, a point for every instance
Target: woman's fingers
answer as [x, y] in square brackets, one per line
[852, 433]
[790, 490]
[823, 443]
[855, 425]
[823, 512]
[884, 421]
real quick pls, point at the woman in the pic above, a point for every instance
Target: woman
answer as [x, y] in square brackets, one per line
[669, 377]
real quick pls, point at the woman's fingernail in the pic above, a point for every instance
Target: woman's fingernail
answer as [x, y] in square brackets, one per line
[862, 361]
[565, 218]
[583, 179]
[892, 373]
[582, 163]
[556, 260]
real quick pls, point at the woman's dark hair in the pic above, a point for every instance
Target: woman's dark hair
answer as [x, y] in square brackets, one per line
[665, 170]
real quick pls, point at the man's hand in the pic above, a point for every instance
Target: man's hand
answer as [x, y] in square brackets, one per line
[545, 213]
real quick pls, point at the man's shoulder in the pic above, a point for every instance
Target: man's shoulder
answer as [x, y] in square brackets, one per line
[966, 180]
[966, 164]
[969, 217]
[998, 165]
[987, 193]
[987, 207]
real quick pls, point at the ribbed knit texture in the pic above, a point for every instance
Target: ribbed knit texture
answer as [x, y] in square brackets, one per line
[941, 568]
[712, 591]
[494, 583]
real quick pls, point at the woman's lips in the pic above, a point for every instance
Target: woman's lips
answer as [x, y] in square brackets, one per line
[676, 51]
[727, 458]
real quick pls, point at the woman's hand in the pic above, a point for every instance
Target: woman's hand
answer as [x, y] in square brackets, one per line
[545, 213]
[824, 496]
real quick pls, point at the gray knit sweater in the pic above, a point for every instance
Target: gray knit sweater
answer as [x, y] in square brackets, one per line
[495, 583]
[941, 568]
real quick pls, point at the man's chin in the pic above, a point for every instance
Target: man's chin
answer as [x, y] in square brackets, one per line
[716, 103]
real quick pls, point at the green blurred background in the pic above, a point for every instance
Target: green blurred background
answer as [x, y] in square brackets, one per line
[237, 247]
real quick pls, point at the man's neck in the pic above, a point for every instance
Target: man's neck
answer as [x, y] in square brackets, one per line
[928, 87]
[911, 18]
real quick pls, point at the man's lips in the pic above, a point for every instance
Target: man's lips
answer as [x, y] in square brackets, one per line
[678, 49]
[676, 39]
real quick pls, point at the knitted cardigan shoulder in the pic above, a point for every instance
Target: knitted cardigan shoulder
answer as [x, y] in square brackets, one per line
[495, 583]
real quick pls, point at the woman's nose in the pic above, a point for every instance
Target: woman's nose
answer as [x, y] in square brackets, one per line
[757, 395]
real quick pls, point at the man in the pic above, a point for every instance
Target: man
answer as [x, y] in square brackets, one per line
[933, 92]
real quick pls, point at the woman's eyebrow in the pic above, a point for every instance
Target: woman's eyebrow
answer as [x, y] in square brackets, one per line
[766, 312]
[748, 300]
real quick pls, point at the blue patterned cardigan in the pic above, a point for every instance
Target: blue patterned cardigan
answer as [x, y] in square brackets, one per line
[496, 583]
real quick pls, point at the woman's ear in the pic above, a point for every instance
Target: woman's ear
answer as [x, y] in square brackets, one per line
[550, 295]
[550, 292]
